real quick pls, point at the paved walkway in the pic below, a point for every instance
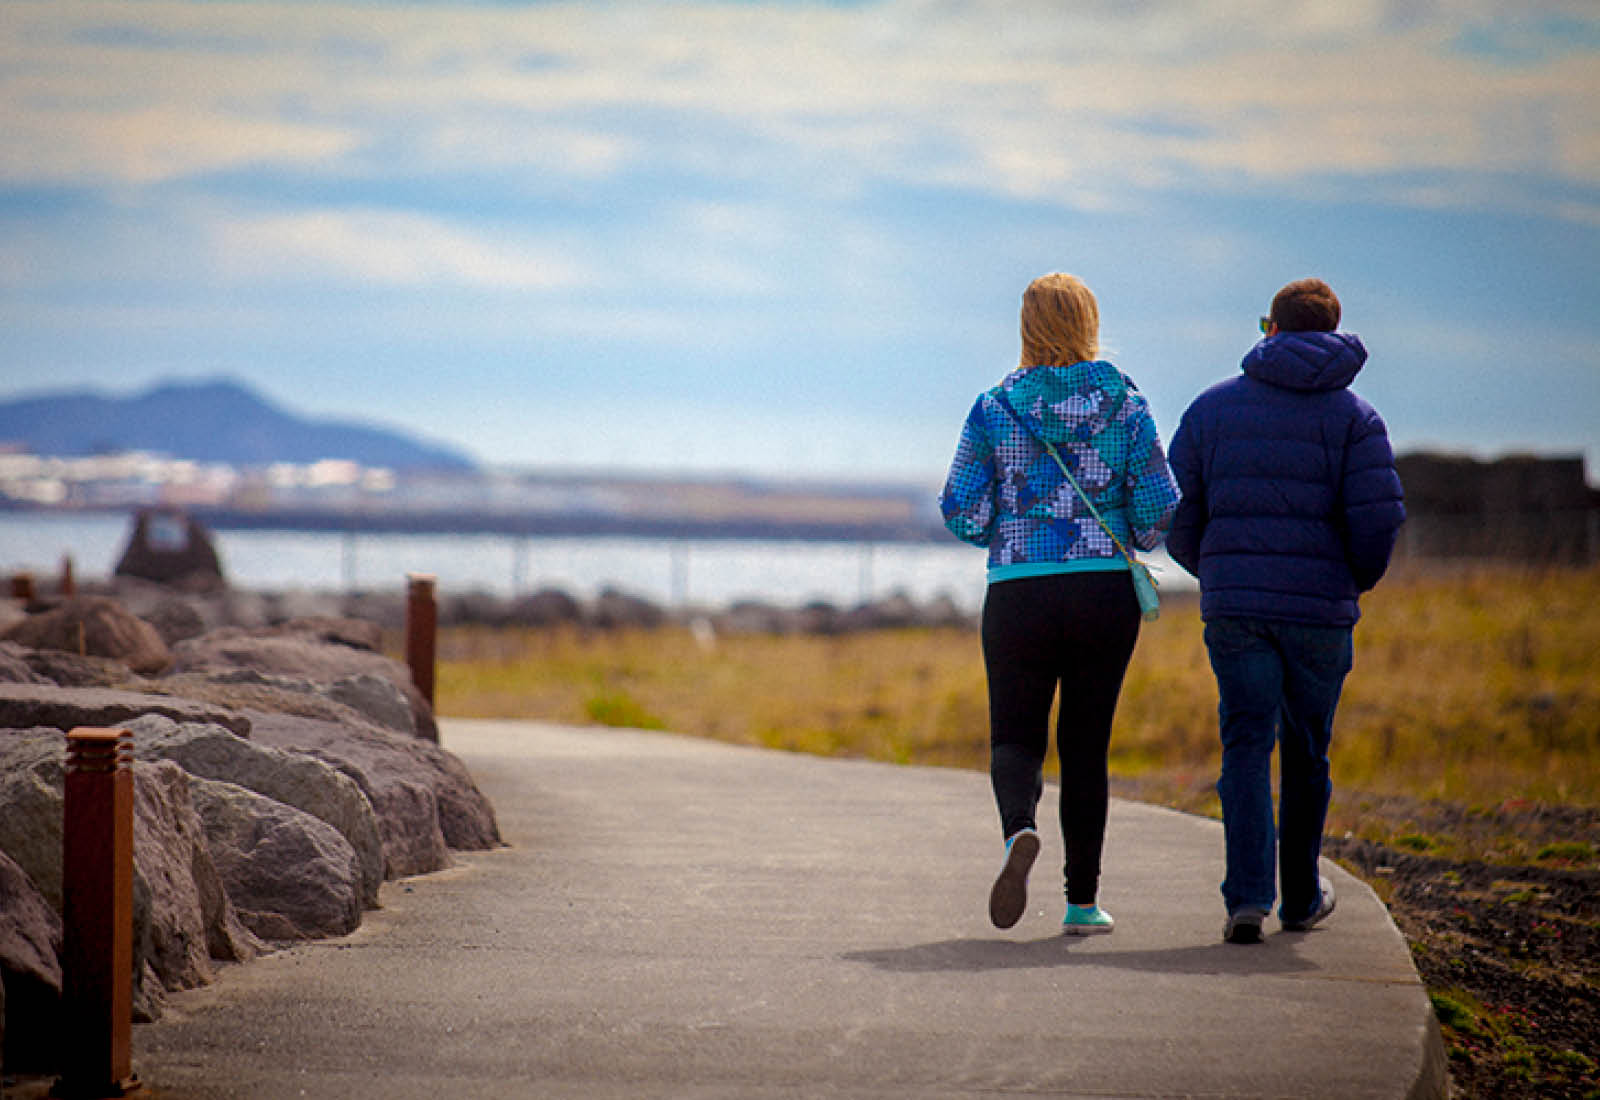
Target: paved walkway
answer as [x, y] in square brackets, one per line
[675, 917]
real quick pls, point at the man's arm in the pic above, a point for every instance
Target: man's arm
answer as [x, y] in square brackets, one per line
[1374, 501]
[1189, 521]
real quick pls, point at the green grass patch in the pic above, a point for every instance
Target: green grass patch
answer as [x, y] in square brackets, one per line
[1416, 842]
[1459, 1012]
[618, 708]
[1572, 852]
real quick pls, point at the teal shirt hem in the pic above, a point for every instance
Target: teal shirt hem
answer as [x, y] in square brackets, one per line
[1055, 568]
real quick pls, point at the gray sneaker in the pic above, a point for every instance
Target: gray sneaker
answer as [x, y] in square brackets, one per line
[1243, 926]
[1009, 897]
[1324, 906]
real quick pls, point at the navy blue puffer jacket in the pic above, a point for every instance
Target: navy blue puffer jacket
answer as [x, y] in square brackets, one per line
[1291, 502]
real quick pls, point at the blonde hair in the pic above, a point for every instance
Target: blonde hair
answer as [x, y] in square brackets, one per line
[1060, 322]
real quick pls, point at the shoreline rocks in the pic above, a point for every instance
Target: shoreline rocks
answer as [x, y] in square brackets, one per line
[180, 615]
[281, 773]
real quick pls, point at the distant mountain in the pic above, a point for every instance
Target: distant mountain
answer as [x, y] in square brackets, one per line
[215, 421]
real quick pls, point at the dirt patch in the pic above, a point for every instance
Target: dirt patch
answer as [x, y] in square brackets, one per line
[1509, 956]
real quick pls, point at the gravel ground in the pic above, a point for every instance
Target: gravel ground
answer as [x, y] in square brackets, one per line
[1509, 954]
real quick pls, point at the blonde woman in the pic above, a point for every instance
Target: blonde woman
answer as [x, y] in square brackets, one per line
[1060, 611]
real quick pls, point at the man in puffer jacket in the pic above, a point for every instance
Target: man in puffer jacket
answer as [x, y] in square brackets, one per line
[1290, 508]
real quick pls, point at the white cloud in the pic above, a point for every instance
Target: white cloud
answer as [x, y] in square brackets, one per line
[384, 248]
[154, 144]
[1085, 104]
[498, 145]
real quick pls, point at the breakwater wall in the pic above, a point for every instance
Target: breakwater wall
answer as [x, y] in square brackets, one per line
[1518, 508]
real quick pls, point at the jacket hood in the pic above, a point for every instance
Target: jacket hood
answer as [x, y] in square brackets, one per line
[1306, 361]
[1068, 404]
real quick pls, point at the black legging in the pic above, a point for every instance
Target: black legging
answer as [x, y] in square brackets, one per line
[1076, 630]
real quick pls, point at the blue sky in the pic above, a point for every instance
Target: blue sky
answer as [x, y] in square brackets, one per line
[791, 238]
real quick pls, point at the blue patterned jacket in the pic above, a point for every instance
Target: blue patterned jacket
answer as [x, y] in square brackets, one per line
[1006, 492]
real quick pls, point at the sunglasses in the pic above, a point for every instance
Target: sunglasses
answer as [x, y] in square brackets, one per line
[1266, 324]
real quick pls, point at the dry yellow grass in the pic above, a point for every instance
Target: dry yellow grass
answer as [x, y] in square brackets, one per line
[1472, 685]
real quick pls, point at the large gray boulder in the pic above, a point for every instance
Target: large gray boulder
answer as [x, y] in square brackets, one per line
[385, 609]
[54, 666]
[32, 767]
[95, 626]
[292, 778]
[754, 617]
[30, 931]
[30, 971]
[175, 619]
[377, 699]
[362, 696]
[26, 705]
[334, 630]
[289, 875]
[179, 612]
[477, 606]
[182, 916]
[244, 689]
[543, 607]
[891, 612]
[300, 604]
[617, 610]
[14, 667]
[424, 797]
[301, 652]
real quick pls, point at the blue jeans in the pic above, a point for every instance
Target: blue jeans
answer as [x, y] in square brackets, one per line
[1276, 683]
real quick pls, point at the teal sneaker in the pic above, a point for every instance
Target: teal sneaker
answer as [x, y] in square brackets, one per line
[1008, 899]
[1086, 920]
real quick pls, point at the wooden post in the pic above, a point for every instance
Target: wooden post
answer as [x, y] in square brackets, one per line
[422, 623]
[97, 915]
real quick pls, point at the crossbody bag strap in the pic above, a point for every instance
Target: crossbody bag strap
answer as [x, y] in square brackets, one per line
[1000, 396]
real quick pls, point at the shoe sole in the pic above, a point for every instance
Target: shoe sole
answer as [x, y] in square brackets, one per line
[1242, 932]
[1008, 899]
[1315, 919]
[1087, 929]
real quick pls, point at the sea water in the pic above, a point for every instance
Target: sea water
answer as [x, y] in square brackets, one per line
[674, 572]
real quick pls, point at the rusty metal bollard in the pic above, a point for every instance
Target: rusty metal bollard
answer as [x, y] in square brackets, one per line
[97, 915]
[22, 587]
[422, 624]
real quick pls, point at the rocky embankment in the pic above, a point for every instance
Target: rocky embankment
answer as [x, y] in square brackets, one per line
[179, 614]
[284, 768]
[611, 609]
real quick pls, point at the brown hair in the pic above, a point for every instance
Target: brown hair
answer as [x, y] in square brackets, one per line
[1060, 322]
[1306, 305]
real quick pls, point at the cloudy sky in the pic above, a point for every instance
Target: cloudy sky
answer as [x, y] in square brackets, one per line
[790, 238]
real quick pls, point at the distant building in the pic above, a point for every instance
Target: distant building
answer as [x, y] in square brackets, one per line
[1519, 508]
[167, 546]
